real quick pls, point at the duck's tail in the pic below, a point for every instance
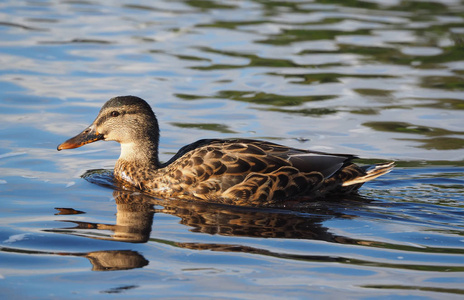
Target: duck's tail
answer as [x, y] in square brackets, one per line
[376, 171]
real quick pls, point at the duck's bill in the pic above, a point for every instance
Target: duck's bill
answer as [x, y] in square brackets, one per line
[87, 136]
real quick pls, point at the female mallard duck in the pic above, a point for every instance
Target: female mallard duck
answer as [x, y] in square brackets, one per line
[232, 171]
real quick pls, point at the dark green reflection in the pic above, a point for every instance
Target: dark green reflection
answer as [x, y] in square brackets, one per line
[253, 60]
[205, 126]
[289, 36]
[208, 4]
[440, 143]
[438, 140]
[451, 104]
[231, 24]
[416, 288]
[314, 112]
[261, 98]
[443, 82]
[318, 78]
[271, 99]
[404, 127]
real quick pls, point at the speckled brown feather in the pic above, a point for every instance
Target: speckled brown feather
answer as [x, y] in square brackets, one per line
[235, 171]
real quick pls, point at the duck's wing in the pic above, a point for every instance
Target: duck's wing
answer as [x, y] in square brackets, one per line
[305, 160]
[246, 155]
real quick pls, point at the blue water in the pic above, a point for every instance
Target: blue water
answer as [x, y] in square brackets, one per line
[380, 79]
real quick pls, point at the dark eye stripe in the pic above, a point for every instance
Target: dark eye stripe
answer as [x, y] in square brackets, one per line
[114, 114]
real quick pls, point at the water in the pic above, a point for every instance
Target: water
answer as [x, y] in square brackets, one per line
[380, 79]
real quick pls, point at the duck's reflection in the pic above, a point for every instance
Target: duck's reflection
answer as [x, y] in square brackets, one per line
[134, 220]
[135, 212]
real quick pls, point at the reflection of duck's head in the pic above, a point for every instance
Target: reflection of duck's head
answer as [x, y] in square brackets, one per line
[116, 260]
[128, 120]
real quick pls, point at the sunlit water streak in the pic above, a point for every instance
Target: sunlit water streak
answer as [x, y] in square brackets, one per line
[380, 79]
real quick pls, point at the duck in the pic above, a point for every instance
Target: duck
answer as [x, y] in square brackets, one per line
[236, 171]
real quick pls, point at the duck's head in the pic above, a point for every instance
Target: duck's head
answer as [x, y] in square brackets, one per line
[128, 120]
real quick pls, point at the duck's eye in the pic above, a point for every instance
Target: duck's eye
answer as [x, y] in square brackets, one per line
[114, 114]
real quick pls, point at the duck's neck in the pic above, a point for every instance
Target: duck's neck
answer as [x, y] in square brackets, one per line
[143, 153]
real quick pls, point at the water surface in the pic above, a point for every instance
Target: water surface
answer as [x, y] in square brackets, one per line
[381, 79]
